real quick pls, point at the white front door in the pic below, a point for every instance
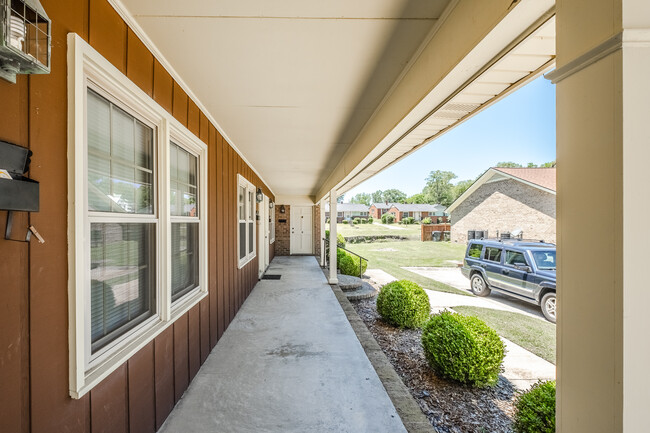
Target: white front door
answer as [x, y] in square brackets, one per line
[263, 230]
[301, 230]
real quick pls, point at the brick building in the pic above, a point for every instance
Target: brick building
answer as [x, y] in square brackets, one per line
[378, 209]
[418, 211]
[507, 200]
[346, 211]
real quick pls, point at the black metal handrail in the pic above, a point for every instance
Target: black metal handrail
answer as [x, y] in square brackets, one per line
[338, 245]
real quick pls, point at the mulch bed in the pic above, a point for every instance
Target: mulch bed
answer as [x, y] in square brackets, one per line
[450, 407]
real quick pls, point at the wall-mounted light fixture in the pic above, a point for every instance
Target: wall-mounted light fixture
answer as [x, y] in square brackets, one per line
[282, 209]
[25, 39]
[259, 196]
[271, 205]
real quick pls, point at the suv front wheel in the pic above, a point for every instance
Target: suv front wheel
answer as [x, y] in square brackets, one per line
[548, 305]
[478, 285]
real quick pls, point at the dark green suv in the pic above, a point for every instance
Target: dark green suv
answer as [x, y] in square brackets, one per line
[523, 270]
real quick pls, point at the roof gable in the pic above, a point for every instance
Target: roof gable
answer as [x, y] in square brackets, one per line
[540, 178]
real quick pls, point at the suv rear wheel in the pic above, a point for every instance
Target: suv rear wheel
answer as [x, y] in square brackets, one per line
[548, 305]
[478, 285]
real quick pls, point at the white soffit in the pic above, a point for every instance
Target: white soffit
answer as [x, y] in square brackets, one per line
[290, 82]
[533, 56]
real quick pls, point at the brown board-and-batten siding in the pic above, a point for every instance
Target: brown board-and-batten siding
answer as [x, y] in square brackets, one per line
[139, 395]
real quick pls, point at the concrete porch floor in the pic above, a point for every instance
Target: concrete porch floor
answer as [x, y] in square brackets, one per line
[289, 362]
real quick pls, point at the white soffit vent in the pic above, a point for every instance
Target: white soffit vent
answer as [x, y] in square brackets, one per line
[525, 62]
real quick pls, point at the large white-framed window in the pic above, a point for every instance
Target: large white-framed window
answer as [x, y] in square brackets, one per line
[246, 245]
[137, 218]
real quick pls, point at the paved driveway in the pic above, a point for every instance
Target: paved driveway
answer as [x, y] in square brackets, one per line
[453, 277]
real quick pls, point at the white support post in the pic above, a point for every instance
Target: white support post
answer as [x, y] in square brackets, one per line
[322, 233]
[333, 244]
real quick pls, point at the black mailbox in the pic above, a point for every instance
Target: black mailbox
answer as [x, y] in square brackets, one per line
[18, 193]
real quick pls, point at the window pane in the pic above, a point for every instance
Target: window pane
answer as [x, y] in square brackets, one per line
[493, 254]
[123, 258]
[251, 205]
[242, 240]
[475, 251]
[242, 198]
[251, 237]
[515, 258]
[120, 159]
[183, 169]
[185, 258]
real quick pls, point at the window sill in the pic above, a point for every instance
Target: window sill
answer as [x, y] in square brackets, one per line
[246, 260]
[133, 343]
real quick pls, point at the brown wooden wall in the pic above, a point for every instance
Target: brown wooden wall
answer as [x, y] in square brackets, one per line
[140, 394]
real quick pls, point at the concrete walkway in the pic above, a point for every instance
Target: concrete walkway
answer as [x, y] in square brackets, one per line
[497, 301]
[289, 362]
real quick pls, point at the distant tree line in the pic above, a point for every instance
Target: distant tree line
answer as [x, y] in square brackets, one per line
[439, 188]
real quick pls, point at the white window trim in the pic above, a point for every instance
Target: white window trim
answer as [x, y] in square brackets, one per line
[87, 65]
[245, 183]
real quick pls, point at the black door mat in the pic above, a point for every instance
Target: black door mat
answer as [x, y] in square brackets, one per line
[271, 277]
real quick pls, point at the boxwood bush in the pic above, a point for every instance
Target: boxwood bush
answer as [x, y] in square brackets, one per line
[349, 264]
[408, 220]
[463, 348]
[535, 409]
[427, 220]
[356, 221]
[370, 220]
[388, 218]
[403, 303]
[364, 221]
[340, 240]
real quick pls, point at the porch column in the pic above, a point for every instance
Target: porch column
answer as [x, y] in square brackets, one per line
[603, 101]
[323, 260]
[333, 244]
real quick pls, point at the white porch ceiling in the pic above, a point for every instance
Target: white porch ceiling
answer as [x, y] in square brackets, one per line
[290, 82]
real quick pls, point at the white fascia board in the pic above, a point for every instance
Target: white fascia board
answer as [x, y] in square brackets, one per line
[139, 32]
[486, 178]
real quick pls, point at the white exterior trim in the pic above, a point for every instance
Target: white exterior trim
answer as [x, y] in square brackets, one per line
[243, 182]
[85, 65]
[486, 178]
[140, 33]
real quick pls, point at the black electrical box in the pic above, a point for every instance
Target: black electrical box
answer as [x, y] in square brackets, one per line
[17, 192]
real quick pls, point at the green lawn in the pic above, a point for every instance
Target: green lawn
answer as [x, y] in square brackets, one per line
[534, 335]
[391, 256]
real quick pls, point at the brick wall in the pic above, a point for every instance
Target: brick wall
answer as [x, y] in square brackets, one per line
[282, 231]
[506, 206]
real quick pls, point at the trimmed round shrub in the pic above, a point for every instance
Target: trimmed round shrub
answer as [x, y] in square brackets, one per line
[388, 218]
[356, 221]
[463, 348]
[364, 221]
[535, 409]
[349, 264]
[427, 220]
[370, 220]
[408, 220]
[403, 303]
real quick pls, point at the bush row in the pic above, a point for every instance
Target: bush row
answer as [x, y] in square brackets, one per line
[457, 347]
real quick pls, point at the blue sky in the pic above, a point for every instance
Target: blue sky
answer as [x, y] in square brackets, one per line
[519, 128]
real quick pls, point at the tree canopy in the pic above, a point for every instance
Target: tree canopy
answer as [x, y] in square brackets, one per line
[361, 198]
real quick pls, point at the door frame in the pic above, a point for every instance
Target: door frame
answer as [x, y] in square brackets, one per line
[263, 233]
[292, 250]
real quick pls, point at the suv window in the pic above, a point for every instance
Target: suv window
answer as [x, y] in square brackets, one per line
[493, 254]
[515, 258]
[475, 251]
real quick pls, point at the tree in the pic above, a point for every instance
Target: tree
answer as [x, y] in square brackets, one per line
[361, 198]
[340, 198]
[461, 187]
[417, 199]
[439, 188]
[394, 196]
[508, 164]
[377, 196]
[551, 164]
